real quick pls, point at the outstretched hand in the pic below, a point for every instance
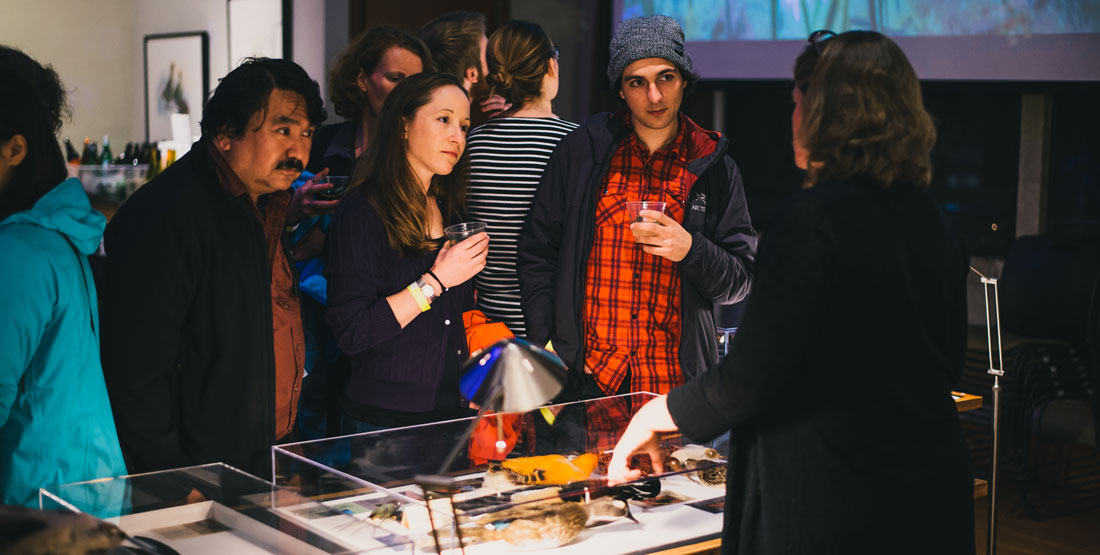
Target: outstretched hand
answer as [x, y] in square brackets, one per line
[640, 437]
[661, 235]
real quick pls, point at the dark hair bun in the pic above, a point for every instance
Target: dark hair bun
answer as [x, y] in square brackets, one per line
[518, 55]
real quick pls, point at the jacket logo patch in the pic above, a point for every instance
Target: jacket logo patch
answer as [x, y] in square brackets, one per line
[699, 203]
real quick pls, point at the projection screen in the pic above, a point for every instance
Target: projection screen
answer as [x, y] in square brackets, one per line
[1017, 40]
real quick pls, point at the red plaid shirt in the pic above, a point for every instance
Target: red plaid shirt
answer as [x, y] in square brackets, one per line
[632, 309]
[605, 421]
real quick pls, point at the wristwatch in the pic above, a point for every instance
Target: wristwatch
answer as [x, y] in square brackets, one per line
[427, 289]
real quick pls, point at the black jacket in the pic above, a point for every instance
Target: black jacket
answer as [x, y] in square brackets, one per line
[392, 367]
[557, 238]
[187, 330]
[837, 388]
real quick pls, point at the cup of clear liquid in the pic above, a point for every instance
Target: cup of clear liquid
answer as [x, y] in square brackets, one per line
[725, 339]
[633, 207]
[339, 187]
[456, 233]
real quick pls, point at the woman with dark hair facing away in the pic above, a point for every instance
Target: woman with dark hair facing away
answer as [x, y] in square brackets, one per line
[397, 293]
[837, 389]
[508, 155]
[56, 424]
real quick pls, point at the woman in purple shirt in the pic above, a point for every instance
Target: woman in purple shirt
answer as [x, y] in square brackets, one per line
[396, 291]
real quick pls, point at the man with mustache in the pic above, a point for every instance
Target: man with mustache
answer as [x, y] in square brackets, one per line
[202, 339]
[628, 302]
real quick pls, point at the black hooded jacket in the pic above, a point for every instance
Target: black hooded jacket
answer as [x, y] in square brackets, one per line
[557, 239]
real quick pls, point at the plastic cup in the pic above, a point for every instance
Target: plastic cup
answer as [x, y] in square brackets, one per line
[633, 207]
[458, 232]
[725, 338]
[339, 187]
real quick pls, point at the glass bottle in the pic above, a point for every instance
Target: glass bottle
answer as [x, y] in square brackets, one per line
[71, 155]
[87, 157]
[153, 160]
[105, 157]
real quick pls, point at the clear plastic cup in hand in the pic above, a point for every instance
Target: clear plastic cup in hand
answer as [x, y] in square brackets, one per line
[456, 233]
[633, 207]
[339, 187]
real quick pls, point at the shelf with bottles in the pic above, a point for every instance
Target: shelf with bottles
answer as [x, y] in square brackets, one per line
[109, 178]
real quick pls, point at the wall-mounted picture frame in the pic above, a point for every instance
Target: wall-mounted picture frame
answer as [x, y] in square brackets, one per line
[259, 28]
[177, 80]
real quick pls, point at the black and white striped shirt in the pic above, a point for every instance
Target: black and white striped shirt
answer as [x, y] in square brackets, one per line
[507, 157]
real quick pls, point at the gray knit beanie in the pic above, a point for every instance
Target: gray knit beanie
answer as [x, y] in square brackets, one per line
[652, 36]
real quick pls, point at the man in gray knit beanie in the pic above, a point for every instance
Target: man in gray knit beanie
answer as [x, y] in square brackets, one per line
[654, 36]
[650, 71]
[627, 295]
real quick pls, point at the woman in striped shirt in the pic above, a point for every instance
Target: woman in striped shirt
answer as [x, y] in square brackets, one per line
[508, 155]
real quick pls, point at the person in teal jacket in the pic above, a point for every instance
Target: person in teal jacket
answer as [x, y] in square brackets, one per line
[56, 424]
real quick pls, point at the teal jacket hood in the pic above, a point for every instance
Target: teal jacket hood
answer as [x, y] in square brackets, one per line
[66, 210]
[56, 424]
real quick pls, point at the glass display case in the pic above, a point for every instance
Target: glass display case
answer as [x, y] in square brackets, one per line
[533, 480]
[114, 182]
[216, 508]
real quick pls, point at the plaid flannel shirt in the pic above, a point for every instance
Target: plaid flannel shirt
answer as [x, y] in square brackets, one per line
[632, 299]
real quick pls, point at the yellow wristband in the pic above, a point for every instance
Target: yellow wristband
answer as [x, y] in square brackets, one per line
[419, 297]
[548, 415]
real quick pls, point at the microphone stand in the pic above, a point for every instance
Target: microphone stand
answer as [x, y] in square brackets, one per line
[995, 371]
[440, 485]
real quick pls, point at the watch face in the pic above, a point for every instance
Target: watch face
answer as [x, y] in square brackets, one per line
[428, 290]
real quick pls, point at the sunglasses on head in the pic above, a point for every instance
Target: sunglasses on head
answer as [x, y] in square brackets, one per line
[818, 38]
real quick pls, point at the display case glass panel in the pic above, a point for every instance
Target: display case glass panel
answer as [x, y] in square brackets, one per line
[521, 481]
[216, 508]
